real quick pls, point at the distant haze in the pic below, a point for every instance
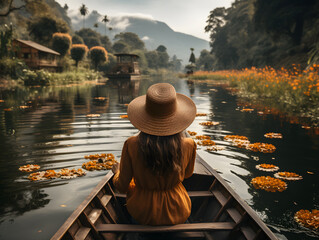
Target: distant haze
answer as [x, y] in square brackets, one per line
[187, 16]
[152, 32]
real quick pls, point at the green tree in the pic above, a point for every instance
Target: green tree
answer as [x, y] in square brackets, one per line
[42, 28]
[76, 39]
[61, 43]
[5, 40]
[175, 64]
[120, 47]
[285, 16]
[205, 61]
[98, 55]
[92, 41]
[131, 39]
[83, 11]
[105, 41]
[152, 59]
[162, 56]
[78, 52]
[192, 56]
[161, 48]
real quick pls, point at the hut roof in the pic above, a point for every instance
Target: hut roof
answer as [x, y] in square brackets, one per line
[38, 46]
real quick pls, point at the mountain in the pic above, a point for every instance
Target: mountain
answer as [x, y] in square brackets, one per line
[152, 32]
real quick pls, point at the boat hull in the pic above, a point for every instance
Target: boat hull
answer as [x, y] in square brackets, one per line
[217, 213]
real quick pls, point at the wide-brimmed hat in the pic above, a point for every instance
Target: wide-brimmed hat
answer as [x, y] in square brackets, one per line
[162, 111]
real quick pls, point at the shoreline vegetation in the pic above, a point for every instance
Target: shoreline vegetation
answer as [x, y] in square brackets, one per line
[293, 92]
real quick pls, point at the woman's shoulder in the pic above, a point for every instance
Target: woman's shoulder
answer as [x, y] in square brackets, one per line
[189, 142]
[132, 140]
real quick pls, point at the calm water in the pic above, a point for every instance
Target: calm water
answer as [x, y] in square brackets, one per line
[55, 133]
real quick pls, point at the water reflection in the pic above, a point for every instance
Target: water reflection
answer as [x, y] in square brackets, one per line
[55, 132]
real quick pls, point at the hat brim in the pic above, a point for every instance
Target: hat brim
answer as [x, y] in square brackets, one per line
[162, 126]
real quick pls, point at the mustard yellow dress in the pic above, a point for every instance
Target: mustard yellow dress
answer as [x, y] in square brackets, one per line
[155, 200]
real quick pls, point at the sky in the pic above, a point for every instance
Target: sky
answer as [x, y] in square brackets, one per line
[186, 16]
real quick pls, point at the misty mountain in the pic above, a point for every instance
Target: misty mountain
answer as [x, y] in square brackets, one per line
[152, 32]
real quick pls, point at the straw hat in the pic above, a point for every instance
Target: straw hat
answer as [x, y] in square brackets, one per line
[162, 111]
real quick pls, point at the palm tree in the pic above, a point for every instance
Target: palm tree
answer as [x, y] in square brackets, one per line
[105, 20]
[83, 10]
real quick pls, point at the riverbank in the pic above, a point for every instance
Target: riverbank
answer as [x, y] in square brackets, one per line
[294, 92]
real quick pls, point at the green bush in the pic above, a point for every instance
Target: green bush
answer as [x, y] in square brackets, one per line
[12, 68]
[33, 78]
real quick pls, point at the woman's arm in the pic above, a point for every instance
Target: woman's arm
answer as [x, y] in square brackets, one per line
[191, 161]
[123, 176]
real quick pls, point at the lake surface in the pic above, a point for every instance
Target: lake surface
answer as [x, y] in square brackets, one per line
[54, 132]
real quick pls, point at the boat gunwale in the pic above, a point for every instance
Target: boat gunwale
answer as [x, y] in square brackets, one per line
[78, 211]
[241, 202]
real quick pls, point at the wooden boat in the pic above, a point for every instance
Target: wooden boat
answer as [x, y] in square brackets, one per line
[217, 213]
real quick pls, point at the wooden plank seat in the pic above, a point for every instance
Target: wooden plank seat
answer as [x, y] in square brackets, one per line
[187, 227]
[191, 194]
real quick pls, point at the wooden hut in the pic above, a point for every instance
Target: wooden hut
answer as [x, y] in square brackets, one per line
[35, 55]
[126, 67]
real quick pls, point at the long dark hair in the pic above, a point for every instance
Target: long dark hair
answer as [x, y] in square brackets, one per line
[161, 154]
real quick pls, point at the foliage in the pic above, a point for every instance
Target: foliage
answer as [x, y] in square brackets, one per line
[192, 57]
[295, 88]
[39, 77]
[98, 55]
[42, 28]
[61, 42]
[43, 77]
[11, 67]
[32, 10]
[92, 41]
[161, 48]
[106, 67]
[5, 40]
[92, 38]
[120, 47]
[76, 39]
[205, 61]
[175, 64]
[78, 52]
[152, 59]
[262, 33]
[131, 39]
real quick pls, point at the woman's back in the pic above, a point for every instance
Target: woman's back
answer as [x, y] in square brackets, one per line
[158, 159]
[155, 200]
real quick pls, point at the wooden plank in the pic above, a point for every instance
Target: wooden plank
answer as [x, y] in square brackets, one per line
[62, 230]
[248, 233]
[188, 227]
[94, 215]
[252, 214]
[82, 233]
[234, 214]
[105, 199]
[220, 197]
[191, 194]
[194, 194]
